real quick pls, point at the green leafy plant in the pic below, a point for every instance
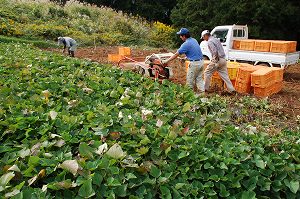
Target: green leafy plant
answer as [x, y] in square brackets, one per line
[74, 128]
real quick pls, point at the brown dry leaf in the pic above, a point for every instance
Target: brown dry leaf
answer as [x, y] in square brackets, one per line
[70, 165]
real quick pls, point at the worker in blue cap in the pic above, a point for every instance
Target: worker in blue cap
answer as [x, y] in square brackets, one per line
[192, 50]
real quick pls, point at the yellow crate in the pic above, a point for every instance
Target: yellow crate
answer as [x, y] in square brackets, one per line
[232, 68]
[283, 46]
[125, 51]
[262, 45]
[216, 83]
[114, 57]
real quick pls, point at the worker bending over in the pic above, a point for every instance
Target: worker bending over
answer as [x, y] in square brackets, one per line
[69, 43]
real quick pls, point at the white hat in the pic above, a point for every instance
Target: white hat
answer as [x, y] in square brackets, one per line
[204, 32]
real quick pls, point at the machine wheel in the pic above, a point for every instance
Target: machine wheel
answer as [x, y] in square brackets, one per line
[141, 71]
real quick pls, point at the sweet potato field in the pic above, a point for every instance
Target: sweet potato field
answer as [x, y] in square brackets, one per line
[72, 128]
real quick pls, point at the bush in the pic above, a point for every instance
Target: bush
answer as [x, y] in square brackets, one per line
[161, 35]
[45, 19]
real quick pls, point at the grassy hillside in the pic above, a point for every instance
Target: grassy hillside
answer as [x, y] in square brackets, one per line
[88, 24]
[71, 128]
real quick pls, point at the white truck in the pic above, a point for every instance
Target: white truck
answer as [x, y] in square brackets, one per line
[227, 34]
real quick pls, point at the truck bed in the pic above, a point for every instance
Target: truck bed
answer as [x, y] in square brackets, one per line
[283, 59]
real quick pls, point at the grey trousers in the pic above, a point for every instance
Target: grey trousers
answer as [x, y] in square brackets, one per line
[221, 68]
[194, 75]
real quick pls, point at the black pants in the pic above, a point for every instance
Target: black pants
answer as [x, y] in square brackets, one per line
[71, 53]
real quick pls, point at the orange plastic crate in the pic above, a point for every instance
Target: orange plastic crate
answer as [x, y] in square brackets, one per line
[262, 45]
[270, 90]
[114, 57]
[216, 83]
[233, 83]
[283, 46]
[236, 44]
[278, 75]
[245, 72]
[265, 77]
[247, 44]
[187, 63]
[242, 86]
[125, 51]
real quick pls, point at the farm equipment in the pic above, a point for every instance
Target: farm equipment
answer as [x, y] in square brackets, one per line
[152, 67]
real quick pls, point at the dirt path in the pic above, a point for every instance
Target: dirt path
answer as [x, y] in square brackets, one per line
[287, 100]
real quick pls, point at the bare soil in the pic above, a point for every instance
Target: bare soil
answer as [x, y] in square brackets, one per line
[287, 100]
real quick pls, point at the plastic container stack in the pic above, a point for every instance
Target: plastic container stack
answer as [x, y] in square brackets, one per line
[243, 79]
[123, 51]
[274, 46]
[267, 81]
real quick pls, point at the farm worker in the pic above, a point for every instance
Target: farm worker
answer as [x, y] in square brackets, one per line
[193, 52]
[69, 43]
[218, 62]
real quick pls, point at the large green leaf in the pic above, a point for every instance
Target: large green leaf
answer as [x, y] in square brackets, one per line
[155, 172]
[86, 190]
[86, 151]
[248, 195]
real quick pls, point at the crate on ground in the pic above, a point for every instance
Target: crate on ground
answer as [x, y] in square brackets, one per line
[187, 63]
[283, 46]
[232, 68]
[268, 91]
[125, 51]
[244, 73]
[114, 57]
[243, 79]
[216, 83]
[242, 86]
[233, 83]
[247, 44]
[265, 77]
[278, 73]
[262, 45]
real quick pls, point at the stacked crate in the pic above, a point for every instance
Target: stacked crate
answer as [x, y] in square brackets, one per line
[283, 46]
[262, 45]
[243, 79]
[267, 81]
[232, 71]
[123, 51]
[274, 46]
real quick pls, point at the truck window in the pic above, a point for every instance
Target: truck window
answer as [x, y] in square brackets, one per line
[238, 33]
[221, 35]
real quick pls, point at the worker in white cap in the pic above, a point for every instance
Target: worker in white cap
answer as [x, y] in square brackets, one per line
[69, 43]
[217, 63]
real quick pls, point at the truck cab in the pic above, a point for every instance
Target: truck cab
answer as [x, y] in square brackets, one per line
[226, 34]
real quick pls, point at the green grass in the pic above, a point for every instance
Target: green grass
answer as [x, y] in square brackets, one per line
[37, 42]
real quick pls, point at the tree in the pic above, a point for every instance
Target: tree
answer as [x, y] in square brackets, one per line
[267, 19]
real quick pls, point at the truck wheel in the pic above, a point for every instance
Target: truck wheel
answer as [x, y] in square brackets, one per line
[264, 64]
[141, 71]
